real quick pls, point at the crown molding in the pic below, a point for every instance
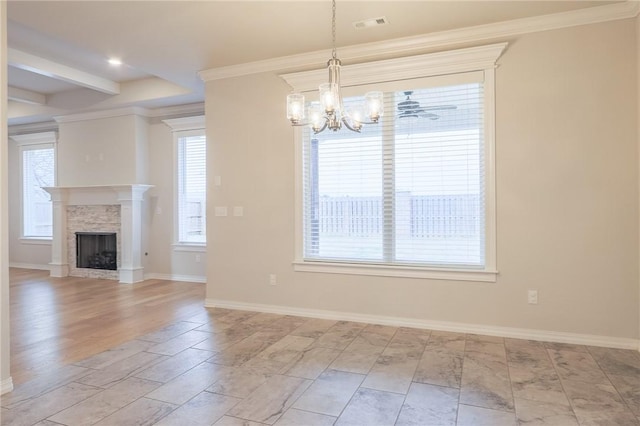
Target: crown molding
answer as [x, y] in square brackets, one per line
[430, 64]
[186, 123]
[35, 138]
[193, 109]
[428, 42]
[94, 115]
[44, 126]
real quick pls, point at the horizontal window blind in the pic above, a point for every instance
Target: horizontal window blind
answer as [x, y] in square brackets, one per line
[38, 171]
[407, 191]
[192, 181]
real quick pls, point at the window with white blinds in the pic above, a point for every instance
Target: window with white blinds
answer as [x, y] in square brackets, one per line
[408, 191]
[38, 171]
[191, 187]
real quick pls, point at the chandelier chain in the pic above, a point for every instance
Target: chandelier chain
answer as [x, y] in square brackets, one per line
[333, 29]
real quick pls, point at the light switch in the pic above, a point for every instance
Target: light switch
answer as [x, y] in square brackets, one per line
[217, 180]
[220, 211]
[238, 211]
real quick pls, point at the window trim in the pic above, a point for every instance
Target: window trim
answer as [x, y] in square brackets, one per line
[32, 141]
[483, 59]
[180, 127]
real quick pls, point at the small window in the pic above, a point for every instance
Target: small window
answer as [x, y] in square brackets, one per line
[190, 143]
[192, 189]
[38, 170]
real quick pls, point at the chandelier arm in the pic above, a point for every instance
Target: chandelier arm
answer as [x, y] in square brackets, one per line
[321, 129]
[353, 129]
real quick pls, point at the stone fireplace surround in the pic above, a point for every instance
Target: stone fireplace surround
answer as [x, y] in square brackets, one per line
[128, 198]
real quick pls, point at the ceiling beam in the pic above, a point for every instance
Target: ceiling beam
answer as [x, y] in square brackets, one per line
[28, 62]
[26, 96]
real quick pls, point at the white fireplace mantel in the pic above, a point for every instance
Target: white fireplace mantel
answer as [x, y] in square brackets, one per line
[129, 197]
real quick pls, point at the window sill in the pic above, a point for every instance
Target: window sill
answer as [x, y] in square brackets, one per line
[36, 240]
[396, 271]
[200, 248]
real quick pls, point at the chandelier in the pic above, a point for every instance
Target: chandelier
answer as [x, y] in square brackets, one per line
[330, 112]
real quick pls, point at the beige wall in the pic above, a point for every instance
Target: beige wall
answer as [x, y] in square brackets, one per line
[567, 188]
[102, 151]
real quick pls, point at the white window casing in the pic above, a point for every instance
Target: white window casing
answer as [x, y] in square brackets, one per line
[190, 183]
[461, 75]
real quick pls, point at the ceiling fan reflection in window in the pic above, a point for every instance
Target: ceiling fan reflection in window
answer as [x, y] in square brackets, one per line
[412, 109]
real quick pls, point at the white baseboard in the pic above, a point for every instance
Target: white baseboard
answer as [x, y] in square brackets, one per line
[6, 386]
[38, 266]
[171, 277]
[516, 333]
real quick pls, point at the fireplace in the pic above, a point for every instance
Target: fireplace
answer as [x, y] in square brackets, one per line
[97, 250]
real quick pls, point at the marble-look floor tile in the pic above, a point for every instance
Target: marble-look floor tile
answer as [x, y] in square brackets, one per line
[538, 413]
[285, 325]
[377, 335]
[314, 328]
[597, 403]
[141, 412]
[114, 355]
[235, 421]
[329, 393]
[486, 350]
[440, 367]
[565, 347]
[218, 342]
[340, 335]
[485, 383]
[295, 417]
[43, 384]
[310, 363]
[411, 340]
[286, 349]
[186, 386]
[484, 338]
[537, 384]
[202, 410]
[232, 319]
[105, 403]
[358, 357]
[172, 367]
[527, 354]
[578, 366]
[393, 370]
[261, 319]
[241, 352]
[446, 340]
[239, 382]
[429, 405]
[267, 403]
[629, 389]
[622, 362]
[122, 369]
[48, 404]
[371, 407]
[477, 416]
[169, 332]
[179, 343]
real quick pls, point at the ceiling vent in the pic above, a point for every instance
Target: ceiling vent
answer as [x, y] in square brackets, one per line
[373, 22]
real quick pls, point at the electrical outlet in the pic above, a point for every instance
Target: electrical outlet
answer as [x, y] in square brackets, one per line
[532, 297]
[198, 258]
[272, 279]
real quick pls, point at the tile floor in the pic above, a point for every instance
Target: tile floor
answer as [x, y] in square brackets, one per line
[229, 367]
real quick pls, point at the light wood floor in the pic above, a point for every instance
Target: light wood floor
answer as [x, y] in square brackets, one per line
[58, 321]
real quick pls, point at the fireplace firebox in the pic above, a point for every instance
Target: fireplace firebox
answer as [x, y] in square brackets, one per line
[96, 250]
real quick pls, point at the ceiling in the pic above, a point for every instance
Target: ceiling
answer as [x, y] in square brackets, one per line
[58, 50]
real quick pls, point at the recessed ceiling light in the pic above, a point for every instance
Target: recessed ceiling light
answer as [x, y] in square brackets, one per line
[373, 22]
[115, 61]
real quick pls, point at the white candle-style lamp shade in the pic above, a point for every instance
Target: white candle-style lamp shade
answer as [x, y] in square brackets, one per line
[295, 108]
[374, 102]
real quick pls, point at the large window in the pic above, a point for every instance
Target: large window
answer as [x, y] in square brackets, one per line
[37, 170]
[408, 191]
[414, 195]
